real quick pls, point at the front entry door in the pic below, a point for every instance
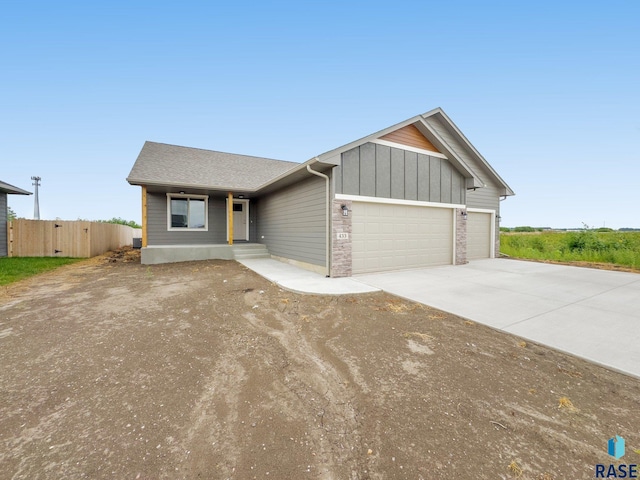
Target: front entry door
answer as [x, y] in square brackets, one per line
[240, 214]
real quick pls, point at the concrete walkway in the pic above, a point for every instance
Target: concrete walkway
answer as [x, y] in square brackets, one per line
[594, 314]
[304, 281]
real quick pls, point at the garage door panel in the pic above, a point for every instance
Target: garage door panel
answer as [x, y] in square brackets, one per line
[391, 237]
[478, 235]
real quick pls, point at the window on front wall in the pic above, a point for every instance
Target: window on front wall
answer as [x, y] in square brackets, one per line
[187, 212]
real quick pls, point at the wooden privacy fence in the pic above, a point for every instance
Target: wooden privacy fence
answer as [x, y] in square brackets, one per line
[59, 238]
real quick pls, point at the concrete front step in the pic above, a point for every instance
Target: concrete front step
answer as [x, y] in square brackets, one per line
[244, 256]
[250, 250]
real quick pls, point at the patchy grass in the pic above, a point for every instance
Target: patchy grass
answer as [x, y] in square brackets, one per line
[614, 248]
[16, 268]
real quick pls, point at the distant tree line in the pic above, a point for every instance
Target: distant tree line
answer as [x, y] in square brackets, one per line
[525, 229]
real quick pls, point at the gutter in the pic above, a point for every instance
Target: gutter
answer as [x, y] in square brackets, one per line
[328, 207]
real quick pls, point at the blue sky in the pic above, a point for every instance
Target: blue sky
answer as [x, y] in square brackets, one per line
[547, 91]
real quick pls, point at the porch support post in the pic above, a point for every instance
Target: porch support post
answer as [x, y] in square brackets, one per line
[144, 215]
[230, 217]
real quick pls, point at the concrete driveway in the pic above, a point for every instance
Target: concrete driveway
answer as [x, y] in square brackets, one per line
[594, 314]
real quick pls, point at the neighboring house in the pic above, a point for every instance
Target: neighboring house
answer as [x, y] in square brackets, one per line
[415, 194]
[6, 189]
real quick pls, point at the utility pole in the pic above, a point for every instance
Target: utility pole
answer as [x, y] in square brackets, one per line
[36, 205]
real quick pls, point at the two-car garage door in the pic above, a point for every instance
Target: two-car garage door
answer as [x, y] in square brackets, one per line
[392, 237]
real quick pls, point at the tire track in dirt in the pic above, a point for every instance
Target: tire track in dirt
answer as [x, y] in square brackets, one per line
[322, 387]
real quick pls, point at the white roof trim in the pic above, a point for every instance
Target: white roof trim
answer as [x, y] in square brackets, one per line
[396, 201]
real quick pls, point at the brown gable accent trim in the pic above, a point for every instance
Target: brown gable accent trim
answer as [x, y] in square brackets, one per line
[410, 136]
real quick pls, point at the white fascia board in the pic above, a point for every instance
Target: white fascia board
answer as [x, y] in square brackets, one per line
[408, 148]
[396, 201]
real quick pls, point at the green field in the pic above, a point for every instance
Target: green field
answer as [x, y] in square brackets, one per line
[616, 248]
[16, 268]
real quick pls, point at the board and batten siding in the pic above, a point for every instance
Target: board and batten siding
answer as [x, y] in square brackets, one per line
[292, 222]
[159, 234]
[3, 224]
[381, 171]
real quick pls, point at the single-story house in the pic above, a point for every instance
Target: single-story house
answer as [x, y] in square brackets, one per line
[415, 194]
[6, 189]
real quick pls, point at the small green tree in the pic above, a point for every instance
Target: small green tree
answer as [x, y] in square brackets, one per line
[117, 220]
[122, 221]
[11, 215]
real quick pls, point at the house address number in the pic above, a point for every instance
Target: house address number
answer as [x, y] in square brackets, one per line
[343, 236]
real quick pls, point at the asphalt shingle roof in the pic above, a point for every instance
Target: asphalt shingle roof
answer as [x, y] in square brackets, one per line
[163, 164]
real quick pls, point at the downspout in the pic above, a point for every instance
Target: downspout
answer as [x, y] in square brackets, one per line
[328, 207]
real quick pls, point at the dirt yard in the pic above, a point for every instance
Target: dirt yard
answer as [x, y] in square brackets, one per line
[204, 370]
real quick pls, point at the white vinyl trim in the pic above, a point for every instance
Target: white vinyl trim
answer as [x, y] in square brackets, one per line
[395, 201]
[244, 201]
[186, 195]
[408, 148]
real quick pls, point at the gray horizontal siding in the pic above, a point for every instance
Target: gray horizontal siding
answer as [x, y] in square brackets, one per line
[292, 222]
[3, 224]
[380, 171]
[159, 234]
[487, 197]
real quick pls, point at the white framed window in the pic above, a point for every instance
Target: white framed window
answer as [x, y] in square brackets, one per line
[187, 212]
